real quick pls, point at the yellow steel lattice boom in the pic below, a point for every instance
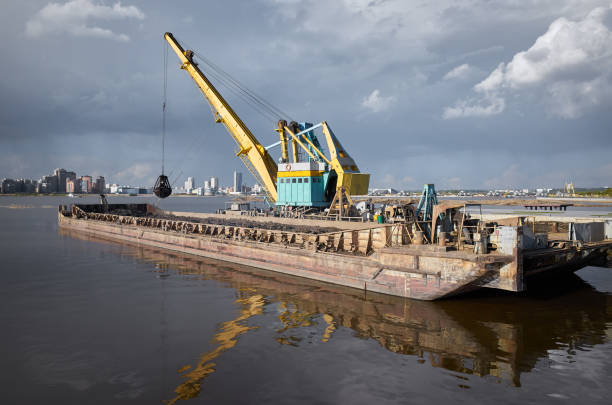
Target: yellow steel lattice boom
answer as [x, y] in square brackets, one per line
[249, 146]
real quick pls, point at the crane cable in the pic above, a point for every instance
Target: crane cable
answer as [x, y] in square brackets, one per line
[165, 99]
[258, 103]
[267, 114]
[231, 81]
[162, 189]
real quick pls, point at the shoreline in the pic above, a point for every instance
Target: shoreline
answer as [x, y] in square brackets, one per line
[508, 202]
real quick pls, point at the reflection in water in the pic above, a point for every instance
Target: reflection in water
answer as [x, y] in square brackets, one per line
[251, 304]
[291, 318]
[331, 327]
[500, 336]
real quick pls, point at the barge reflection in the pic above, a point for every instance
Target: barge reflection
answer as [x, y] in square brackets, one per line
[501, 335]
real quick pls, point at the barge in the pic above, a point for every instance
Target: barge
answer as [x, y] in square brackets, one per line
[392, 259]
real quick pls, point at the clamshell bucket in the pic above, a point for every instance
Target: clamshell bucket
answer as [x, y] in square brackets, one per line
[162, 187]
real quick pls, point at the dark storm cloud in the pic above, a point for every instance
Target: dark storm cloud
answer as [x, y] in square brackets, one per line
[81, 85]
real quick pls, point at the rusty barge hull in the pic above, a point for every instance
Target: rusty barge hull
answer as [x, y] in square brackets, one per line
[370, 259]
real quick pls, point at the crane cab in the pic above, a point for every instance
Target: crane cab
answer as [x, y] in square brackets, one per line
[302, 184]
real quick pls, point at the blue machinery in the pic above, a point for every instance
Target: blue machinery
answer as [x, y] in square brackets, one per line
[305, 183]
[429, 198]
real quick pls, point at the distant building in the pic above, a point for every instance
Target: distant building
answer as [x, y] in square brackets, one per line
[98, 185]
[214, 184]
[383, 191]
[60, 175]
[60, 181]
[86, 184]
[237, 181]
[27, 185]
[207, 190]
[127, 190]
[18, 186]
[48, 184]
[8, 186]
[189, 184]
[543, 191]
[70, 177]
[72, 186]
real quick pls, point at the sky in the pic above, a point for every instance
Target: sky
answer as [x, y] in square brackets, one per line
[464, 94]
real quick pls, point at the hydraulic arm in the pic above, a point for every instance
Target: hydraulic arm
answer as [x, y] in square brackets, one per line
[250, 149]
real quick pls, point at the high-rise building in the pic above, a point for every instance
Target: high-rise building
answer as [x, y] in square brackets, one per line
[72, 186]
[27, 185]
[48, 184]
[69, 176]
[189, 184]
[86, 183]
[8, 186]
[98, 185]
[237, 181]
[101, 184]
[214, 184]
[207, 188]
[60, 174]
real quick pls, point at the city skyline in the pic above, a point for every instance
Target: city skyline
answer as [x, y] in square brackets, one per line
[59, 181]
[212, 186]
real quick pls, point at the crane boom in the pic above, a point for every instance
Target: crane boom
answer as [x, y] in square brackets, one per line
[262, 162]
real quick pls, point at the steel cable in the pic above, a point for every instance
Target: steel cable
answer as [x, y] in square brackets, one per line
[274, 113]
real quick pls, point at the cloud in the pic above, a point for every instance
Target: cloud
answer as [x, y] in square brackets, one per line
[393, 180]
[76, 17]
[512, 176]
[376, 102]
[453, 182]
[570, 66]
[487, 105]
[137, 173]
[402, 50]
[460, 72]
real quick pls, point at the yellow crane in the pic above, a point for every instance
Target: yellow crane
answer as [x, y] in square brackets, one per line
[338, 172]
[249, 146]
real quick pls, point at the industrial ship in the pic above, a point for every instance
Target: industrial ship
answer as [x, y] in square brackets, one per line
[385, 258]
[424, 250]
